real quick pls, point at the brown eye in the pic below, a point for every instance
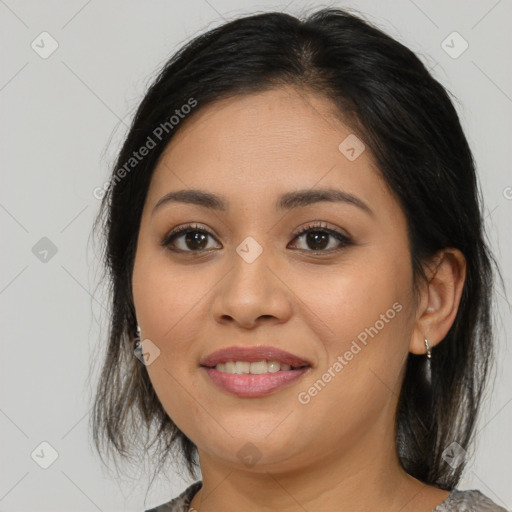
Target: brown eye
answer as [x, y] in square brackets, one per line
[317, 238]
[193, 239]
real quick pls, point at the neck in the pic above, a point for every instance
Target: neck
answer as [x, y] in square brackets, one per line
[366, 477]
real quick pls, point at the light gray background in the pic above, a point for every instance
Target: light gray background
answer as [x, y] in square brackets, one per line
[62, 120]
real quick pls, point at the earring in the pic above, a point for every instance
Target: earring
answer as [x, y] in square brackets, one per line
[428, 366]
[429, 352]
[138, 344]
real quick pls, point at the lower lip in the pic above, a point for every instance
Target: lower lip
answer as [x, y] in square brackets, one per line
[250, 385]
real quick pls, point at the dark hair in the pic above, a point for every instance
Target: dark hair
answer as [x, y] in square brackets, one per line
[387, 97]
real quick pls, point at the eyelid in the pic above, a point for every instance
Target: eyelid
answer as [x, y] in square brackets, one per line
[191, 226]
[321, 226]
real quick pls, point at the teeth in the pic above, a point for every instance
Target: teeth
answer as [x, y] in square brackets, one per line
[255, 368]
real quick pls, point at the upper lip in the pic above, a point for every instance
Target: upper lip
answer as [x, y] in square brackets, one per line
[253, 354]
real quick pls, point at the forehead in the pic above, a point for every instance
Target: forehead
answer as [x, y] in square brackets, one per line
[248, 147]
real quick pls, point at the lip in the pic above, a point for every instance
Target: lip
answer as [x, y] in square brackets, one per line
[252, 386]
[253, 354]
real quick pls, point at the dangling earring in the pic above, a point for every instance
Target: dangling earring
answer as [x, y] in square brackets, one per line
[424, 396]
[138, 344]
[428, 365]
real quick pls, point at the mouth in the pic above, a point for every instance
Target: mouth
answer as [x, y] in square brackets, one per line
[253, 371]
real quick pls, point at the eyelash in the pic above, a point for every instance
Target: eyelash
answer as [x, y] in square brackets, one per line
[313, 227]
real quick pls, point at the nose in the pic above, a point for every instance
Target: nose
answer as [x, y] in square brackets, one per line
[252, 292]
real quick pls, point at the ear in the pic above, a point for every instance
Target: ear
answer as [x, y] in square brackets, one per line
[439, 299]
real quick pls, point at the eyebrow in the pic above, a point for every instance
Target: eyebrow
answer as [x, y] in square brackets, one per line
[287, 201]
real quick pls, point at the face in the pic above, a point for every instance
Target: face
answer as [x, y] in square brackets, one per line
[338, 296]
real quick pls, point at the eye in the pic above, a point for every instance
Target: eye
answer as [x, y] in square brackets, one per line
[317, 236]
[194, 239]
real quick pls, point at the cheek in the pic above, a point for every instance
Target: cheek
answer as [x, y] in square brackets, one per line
[364, 338]
[170, 304]
[360, 313]
[166, 298]
[353, 296]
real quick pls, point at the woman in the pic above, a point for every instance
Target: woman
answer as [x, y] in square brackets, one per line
[301, 287]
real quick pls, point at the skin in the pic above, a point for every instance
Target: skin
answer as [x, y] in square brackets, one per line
[338, 451]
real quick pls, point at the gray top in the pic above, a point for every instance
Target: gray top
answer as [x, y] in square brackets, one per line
[457, 501]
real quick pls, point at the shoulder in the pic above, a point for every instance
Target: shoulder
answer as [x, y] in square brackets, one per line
[468, 501]
[182, 502]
